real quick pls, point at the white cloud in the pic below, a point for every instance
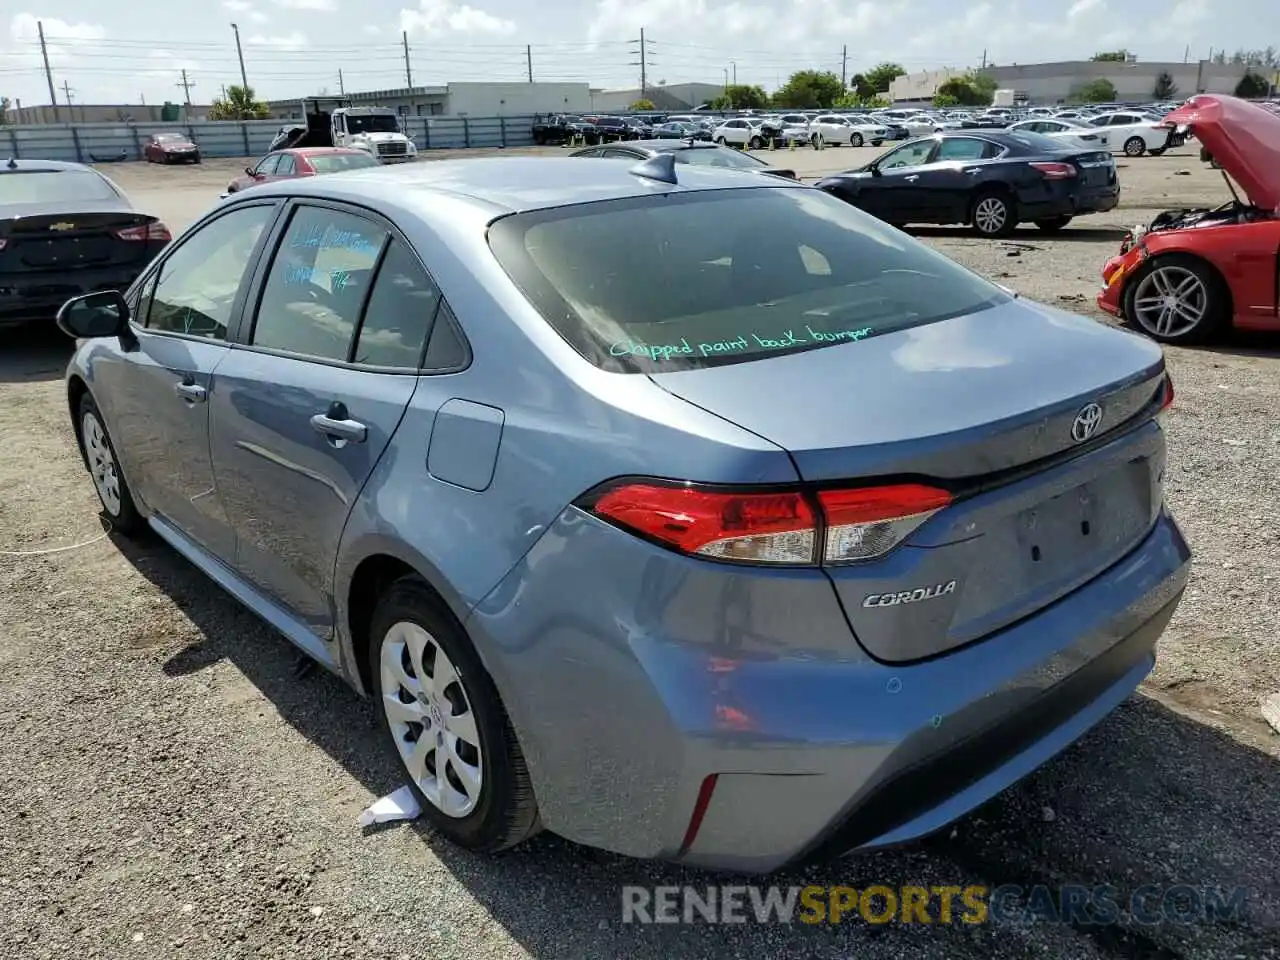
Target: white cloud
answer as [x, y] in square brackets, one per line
[163, 65]
[236, 6]
[257, 16]
[64, 41]
[372, 30]
[327, 5]
[435, 16]
[1081, 7]
[291, 41]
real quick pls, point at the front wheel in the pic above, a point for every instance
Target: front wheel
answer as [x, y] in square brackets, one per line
[993, 215]
[1053, 224]
[1157, 151]
[855, 140]
[755, 143]
[446, 723]
[722, 141]
[104, 468]
[1178, 299]
[1135, 147]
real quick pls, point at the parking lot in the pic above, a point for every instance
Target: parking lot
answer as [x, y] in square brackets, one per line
[176, 788]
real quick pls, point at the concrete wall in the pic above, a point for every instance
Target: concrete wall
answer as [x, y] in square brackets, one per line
[1058, 82]
[107, 142]
[102, 113]
[505, 99]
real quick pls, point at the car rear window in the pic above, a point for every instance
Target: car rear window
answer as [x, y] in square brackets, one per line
[679, 281]
[51, 186]
[335, 162]
[1036, 141]
[719, 157]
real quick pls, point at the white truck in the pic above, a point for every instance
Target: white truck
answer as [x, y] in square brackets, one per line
[333, 122]
[1004, 98]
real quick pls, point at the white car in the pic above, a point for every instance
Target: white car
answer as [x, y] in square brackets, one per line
[1133, 133]
[739, 132]
[1069, 131]
[921, 125]
[835, 128]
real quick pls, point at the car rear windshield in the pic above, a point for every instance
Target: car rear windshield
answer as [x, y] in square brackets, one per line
[334, 162]
[679, 281]
[54, 186]
[1037, 141]
[719, 157]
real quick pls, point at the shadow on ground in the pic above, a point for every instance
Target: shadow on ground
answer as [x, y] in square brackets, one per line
[34, 352]
[1150, 797]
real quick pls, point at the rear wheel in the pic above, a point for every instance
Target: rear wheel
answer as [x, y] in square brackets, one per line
[446, 723]
[755, 143]
[1178, 299]
[722, 141]
[1053, 224]
[108, 481]
[1135, 147]
[855, 140]
[993, 214]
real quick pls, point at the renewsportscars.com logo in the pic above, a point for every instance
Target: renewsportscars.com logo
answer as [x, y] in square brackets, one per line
[972, 904]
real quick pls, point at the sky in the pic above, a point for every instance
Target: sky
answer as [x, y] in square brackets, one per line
[136, 51]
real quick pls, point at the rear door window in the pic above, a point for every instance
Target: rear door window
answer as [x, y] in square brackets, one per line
[285, 168]
[687, 280]
[399, 313]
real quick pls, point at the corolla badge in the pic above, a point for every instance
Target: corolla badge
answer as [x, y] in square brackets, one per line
[910, 596]
[1086, 422]
[62, 226]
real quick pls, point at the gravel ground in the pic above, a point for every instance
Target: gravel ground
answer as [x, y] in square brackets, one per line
[174, 789]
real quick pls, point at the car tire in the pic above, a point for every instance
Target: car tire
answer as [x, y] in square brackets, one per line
[993, 214]
[755, 143]
[722, 141]
[104, 468]
[1157, 151]
[1212, 301]
[876, 143]
[1135, 147]
[855, 140]
[196, 159]
[466, 705]
[1053, 224]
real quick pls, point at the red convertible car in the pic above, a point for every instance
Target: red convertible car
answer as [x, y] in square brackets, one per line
[301, 162]
[1194, 274]
[170, 148]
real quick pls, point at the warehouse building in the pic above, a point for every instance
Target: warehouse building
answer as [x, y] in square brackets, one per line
[669, 96]
[107, 113]
[1134, 80]
[464, 100]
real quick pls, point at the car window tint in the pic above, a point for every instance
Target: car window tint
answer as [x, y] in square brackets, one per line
[620, 153]
[399, 314]
[317, 283]
[962, 148]
[55, 186]
[199, 281]
[447, 350]
[285, 168]
[913, 154]
[674, 281]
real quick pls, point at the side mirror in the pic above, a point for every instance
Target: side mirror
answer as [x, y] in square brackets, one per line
[874, 169]
[100, 314]
[251, 172]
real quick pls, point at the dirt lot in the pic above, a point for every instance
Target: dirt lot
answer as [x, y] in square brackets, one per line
[172, 789]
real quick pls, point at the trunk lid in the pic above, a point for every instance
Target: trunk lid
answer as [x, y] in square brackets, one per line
[34, 238]
[1242, 137]
[984, 405]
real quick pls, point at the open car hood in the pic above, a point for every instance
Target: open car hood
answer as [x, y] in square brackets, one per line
[1242, 137]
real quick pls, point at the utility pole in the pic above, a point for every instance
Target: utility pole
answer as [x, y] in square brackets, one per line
[844, 68]
[1186, 54]
[643, 62]
[48, 74]
[733, 64]
[342, 90]
[66, 88]
[528, 59]
[244, 80]
[408, 68]
[186, 86]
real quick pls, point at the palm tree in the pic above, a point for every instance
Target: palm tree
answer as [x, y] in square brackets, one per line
[238, 105]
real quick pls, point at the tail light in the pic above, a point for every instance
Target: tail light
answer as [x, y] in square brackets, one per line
[147, 231]
[773, 527]
[1054, 171]
[3, 244]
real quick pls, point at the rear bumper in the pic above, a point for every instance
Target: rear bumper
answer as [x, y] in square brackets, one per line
[1074, 204]
[39, 298]
[637, 685]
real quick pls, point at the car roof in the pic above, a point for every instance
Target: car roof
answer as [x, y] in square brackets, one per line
[670, 146]
[319, 151]
[14, 165]
[494, 186]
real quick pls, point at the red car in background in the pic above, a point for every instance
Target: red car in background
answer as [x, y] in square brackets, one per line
[301, 162]
[1193, 274]
[170, 148]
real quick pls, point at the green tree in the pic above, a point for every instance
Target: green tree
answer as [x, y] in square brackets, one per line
[974, 89]
[238, 105]
[1165, 88]
[1252, 86]
[945, 101]
[1101, 90]
[1111, 56]
[809, 89]
[642, 104]
[853, 101]
[741, 96]
[881, 76]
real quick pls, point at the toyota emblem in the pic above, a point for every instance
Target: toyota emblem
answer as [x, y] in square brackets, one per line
[1086, 422]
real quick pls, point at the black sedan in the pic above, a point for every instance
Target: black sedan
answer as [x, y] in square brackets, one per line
[65, 229]
[686, 151]
[990, 179]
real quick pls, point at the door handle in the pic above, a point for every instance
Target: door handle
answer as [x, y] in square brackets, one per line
[338, 425]
[972, 171]
[912, 178]
[190, 391]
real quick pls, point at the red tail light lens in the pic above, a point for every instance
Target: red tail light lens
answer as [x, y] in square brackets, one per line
[147, 231]
[1054, 171]
[1166, 399]
[784, 527]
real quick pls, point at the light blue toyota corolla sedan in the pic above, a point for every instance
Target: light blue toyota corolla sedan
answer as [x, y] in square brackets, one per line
[683, 512]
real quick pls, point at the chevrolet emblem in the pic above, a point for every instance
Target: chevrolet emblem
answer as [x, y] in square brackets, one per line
[62, 226]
